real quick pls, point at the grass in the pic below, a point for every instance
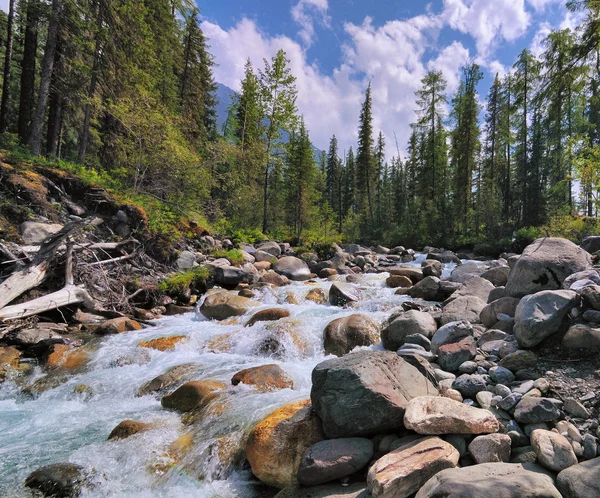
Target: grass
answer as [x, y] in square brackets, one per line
[235, 256]
[180, 282]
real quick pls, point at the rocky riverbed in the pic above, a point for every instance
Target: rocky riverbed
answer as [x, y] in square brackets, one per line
[369, 372]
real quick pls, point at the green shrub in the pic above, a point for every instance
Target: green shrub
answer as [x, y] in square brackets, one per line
[180, 282]
[235, 256]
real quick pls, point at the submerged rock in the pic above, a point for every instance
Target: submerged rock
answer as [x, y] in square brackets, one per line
[128, 428]
[342, 293]
[118, 326]
[264, 377]
[191, 395]
[61, 480]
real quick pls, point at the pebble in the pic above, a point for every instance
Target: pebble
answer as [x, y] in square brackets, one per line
[573, 433]
[496, 400]
[468, 367]
[524, 387]
[484, 398]
[529, 428]
[502, 390]
[510, 401]
[576, 409]
[501, 375]
[441, 375]
[577, 449]
[590, 447]
[542, 384]
[481, 371]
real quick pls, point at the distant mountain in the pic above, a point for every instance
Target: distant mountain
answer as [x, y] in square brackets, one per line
[224, 96]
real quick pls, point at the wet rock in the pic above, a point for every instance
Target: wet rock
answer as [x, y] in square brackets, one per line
[553, 450]
[540, 315]
[333, 459]
[230, 276]
[316, 295]
[344, 334]
[490, 448]
[33, 232]
[581, 480]
[437, 415]
[331, 490]
[365, 392]
[531, 410]
[223, 305]
[544, 265]
[342, 293]
[497, 480]
[402, 472]
[293, 268]
[163, 343]
[264, 377]
[118, 326]
[581, 336]
[128, 428]
[395, 281]
[427, 289]
[273, 278]
[407, 323]
[9, 361]
[168, 380]
[27, 337]
[277, 443]
[61, 480]
[191, 395]
[415, 275]
[67, 357]
[505, 305]
[268, 315]
[432, 268]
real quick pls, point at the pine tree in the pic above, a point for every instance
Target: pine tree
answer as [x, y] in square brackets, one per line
[249, 112]
[7, 67]
[332, 175]
[365, 163]
[350, 184]
[380, 178]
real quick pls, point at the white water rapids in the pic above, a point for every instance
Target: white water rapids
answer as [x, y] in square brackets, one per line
[65, 424]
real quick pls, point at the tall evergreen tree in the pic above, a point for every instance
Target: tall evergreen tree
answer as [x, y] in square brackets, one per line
[365, 163]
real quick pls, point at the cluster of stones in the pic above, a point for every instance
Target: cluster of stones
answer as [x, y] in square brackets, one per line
[453, 407]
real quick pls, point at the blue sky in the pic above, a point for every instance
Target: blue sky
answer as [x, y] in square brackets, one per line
[337, 46]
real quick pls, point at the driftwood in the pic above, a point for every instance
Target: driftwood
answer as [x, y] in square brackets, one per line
[33, 275]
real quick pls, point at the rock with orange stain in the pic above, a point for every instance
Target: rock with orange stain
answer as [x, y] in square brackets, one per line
[268, 315]
[9, 360]
[277, 443]
[168, 380]
[163, 343]
[128, 428]
[176, 452]
[220, 343]
[118, 326]
[316, 295]
[67, 357]
[191, 395]
[284, 337]
[265, 377]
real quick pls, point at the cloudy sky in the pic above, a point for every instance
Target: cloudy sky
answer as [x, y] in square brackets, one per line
[337, 46]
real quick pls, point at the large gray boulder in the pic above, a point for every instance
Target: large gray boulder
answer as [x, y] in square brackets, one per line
[582, 336]
[293, 268]
[231, 276]
[544, 265]
[497, 480]
[463, 308]
[427, 289]
[591, 244]
[408, 323]
[33, 232]
[504, 305]
[553, 450]
[271, 247]
[474, 286]
[365, 392]
[580, 481]
[342, 293]
[541, 315]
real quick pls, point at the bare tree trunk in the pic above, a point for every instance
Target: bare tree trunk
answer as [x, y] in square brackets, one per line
[35, 138]
[28, 65]
[7, 64]
[55, 109]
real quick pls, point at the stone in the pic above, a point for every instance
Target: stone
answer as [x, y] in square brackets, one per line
[581, 480]
[191, 395]
[501, 375]
[293, 268]
[231, 276]
[118, 326]
[264, 257]
[591, 244]
[9, 361]
[581, 279]
[438, 415]
[407, 323]
[432, 268]
[128, 428]
[506, 305]
[334, 459]
[331, 490]
[493, 480]
[590, 447]
[484, 398]
[265, 377]
[451, 356]
[167, 380]
[463, 308]
[553, 450]
[575, 408]
[490, 448]
[65, 480]
[468, 367]
[450, 333]
[591, 296]
[268, 315]
[519, 360]
[540, 315]
[342, 293]
[426, 289]
[581, 336]
[277, 443]
[365, 392]
[186, 260]
[273, 278]
[523, 454]
[163, 343]
[33, 232]
[27, 337]
[344, 334]
[497, 275]
[414, 274]
[395, 281]
[401, 473]
[270, 247]
[223, 305]
[475, 286]
[495, 294]
[316, 295]
[531, 410]
[465, 271]
[66, 357]
[419, 340]
[544, 265]
[469, 385]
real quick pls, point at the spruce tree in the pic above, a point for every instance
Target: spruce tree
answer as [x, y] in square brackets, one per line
[365, 163]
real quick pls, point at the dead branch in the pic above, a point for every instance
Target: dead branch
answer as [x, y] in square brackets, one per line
[113, 260]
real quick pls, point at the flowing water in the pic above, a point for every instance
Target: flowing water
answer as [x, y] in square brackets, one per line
[70, 422]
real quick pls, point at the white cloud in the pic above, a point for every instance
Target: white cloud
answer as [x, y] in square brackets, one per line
[542, 5]
[487, 21]
[495, 67]
[450, 61]
[303, 13]
[537, 45]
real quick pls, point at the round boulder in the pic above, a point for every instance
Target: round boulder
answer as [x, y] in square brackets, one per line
[410, 322]
[293, 268]
[344, 334]
[222, 305]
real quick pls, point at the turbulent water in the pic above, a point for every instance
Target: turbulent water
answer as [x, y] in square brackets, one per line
[70, 422]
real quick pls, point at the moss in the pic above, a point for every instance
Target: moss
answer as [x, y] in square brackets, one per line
[235, 256]
[180, 282]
